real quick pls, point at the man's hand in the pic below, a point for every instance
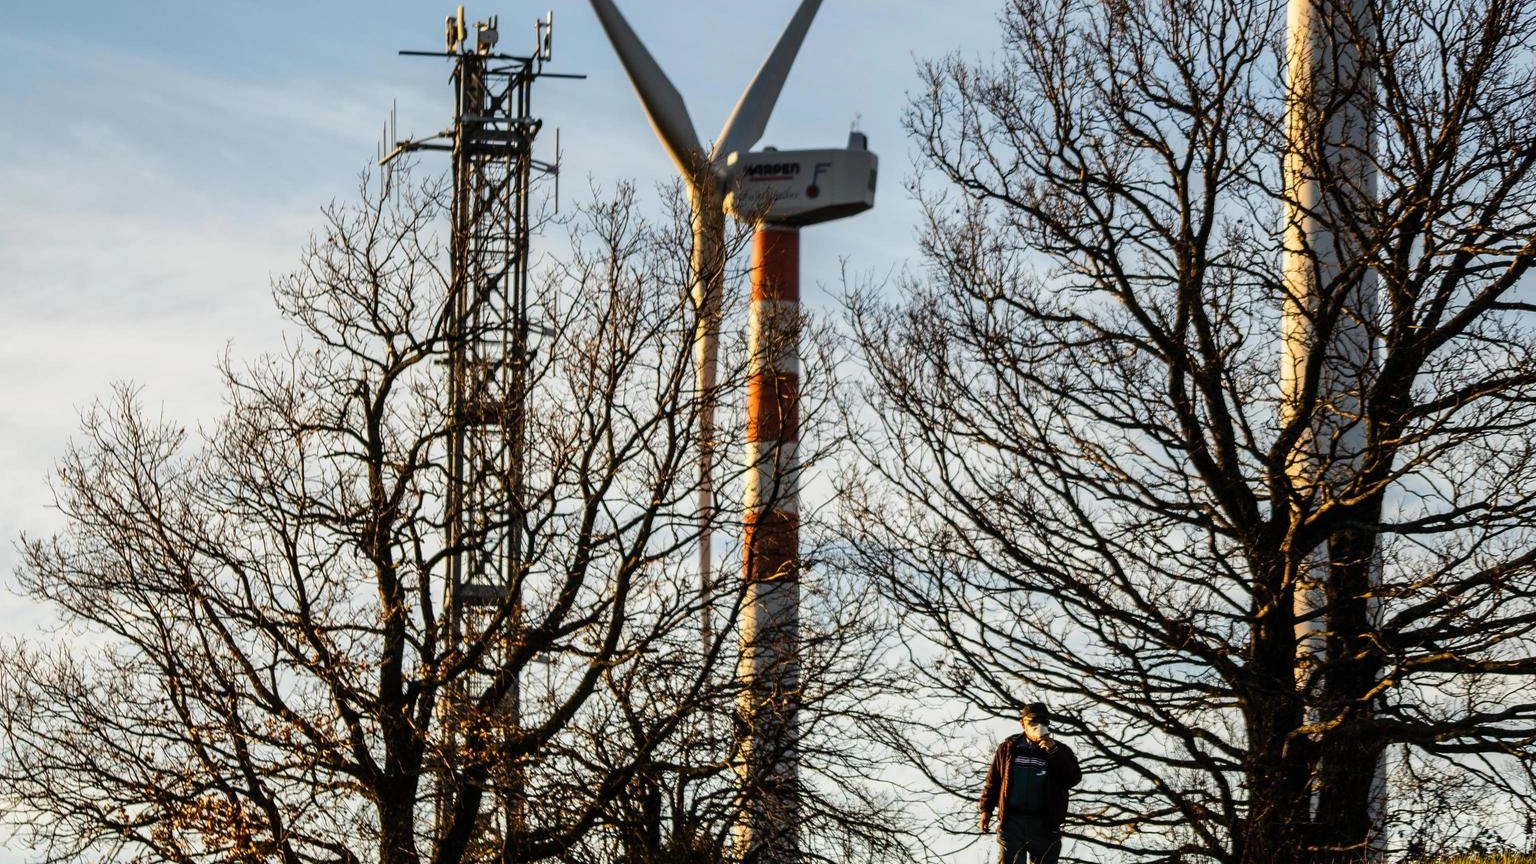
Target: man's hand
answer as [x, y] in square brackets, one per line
[1047, 743]
[986, 822]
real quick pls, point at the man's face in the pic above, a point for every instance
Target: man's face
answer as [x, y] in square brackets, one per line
[1035, 728]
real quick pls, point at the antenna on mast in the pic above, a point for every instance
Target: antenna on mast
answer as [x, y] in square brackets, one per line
[544, 37]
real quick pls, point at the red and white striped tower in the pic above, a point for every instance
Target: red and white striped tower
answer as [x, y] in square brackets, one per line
[770, 668]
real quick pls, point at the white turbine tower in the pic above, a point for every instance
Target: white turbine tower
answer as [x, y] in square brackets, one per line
[777, 191]
[1329, 324]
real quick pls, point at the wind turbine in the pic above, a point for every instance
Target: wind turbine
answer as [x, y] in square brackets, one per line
[777, 191]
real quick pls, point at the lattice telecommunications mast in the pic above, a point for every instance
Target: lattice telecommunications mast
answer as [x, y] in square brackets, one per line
[491, 142]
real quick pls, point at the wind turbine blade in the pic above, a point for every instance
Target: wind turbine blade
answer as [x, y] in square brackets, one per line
[750, 117]
[663, 104]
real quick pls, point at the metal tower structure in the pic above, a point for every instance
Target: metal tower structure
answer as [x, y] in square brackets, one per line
[487, 330]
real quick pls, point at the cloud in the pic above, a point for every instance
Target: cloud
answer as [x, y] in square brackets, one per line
[146, 207]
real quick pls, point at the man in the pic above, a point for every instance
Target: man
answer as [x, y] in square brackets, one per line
[1027, 783]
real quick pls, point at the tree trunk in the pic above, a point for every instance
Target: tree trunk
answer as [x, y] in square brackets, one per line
[1278, 759]
[1349, 761]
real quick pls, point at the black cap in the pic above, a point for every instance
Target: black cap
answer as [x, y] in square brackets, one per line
[1035, 711]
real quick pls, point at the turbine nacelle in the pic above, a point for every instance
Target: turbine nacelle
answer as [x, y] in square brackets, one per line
[801, 187]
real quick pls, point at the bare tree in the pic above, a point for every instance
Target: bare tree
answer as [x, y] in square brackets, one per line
[273, 667]
[257, 660]
[271, 672]
[685, 805]
[1082, 472]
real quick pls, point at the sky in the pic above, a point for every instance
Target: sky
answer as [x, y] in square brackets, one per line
[163, 160]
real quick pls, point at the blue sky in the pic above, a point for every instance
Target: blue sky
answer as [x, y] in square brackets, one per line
[163, 160]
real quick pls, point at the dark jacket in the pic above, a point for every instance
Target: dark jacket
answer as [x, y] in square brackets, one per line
[1061, 774]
